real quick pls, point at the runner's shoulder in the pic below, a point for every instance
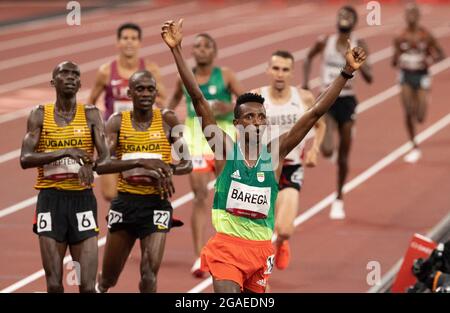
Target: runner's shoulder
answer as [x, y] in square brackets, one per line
[114, 121]
[307, 96]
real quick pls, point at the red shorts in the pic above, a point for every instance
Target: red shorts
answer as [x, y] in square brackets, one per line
[246, 262]
[203, 163]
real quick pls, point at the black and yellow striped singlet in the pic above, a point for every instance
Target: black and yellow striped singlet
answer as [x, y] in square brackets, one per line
[63, 174]
[132, 144]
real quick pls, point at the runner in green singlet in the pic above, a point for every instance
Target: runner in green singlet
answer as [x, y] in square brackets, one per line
[217, 84]
[240, 255]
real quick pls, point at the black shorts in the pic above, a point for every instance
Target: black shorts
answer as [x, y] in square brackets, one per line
[66, 215]
[140, 215]
[343, 109]
[291, 177]
[415, 79]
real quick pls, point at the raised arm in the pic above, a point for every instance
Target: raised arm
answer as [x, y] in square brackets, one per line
[30, 158]
[319, 127]
[355, 58]
[314, 51]
[172, 35]
[176, 96]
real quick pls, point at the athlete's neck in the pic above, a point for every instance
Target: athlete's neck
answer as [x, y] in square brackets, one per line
[251, 152]
[342, 37]
[413, 27]
[142, 116]
[280, 94]
[65, 103]
[204, 70]
[128, 62]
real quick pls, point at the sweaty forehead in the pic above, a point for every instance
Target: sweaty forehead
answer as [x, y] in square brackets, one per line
[252, 107]
[142, 80]
[65, 66]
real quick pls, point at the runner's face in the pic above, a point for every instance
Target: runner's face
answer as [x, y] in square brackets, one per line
[129, 42]
[66, 78]
[280, 72]
[142, 92]
[412, 16]
[203, 51]
[345, 21]
[252, 121]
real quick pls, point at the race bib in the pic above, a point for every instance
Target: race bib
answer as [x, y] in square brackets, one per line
[44, 222]
[161, 219]
[114, 217]
[412, 60]
[297, 176]
[61, 169]
[248, 201]
[139, 175]
[86, 221]
[120, 106]
[269, 264]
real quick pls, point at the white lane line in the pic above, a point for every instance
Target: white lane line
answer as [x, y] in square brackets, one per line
[9, 156]
[361, 178]
[363, 106]
[103, 41]
[100, 25]
[156, 48]
[18, 206]
[315, 209]
[243, 74]
[357, 181]
[101, 242]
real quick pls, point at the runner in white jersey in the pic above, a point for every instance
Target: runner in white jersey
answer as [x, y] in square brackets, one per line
[285, 104]
[341, 116]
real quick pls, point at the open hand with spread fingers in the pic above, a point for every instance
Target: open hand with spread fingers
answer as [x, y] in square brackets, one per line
[172, 33]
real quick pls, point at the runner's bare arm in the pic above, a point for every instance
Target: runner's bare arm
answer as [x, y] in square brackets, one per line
[437, 52]
[314, 51]
[162, 93]
[397, 53]
[97, 127]
[172, 35]
[175, 135]
[101, 80]
[366, 68]
[113, 165]
[319, 127]
[355, 58]
[176, 96]
[30, 158]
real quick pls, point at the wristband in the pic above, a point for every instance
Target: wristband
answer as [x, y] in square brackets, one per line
[346, 75]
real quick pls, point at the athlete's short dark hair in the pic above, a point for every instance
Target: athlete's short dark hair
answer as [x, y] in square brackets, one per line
[133, 26]
[352, 10]
[284, 54]
[210, 38]
[246, 98]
